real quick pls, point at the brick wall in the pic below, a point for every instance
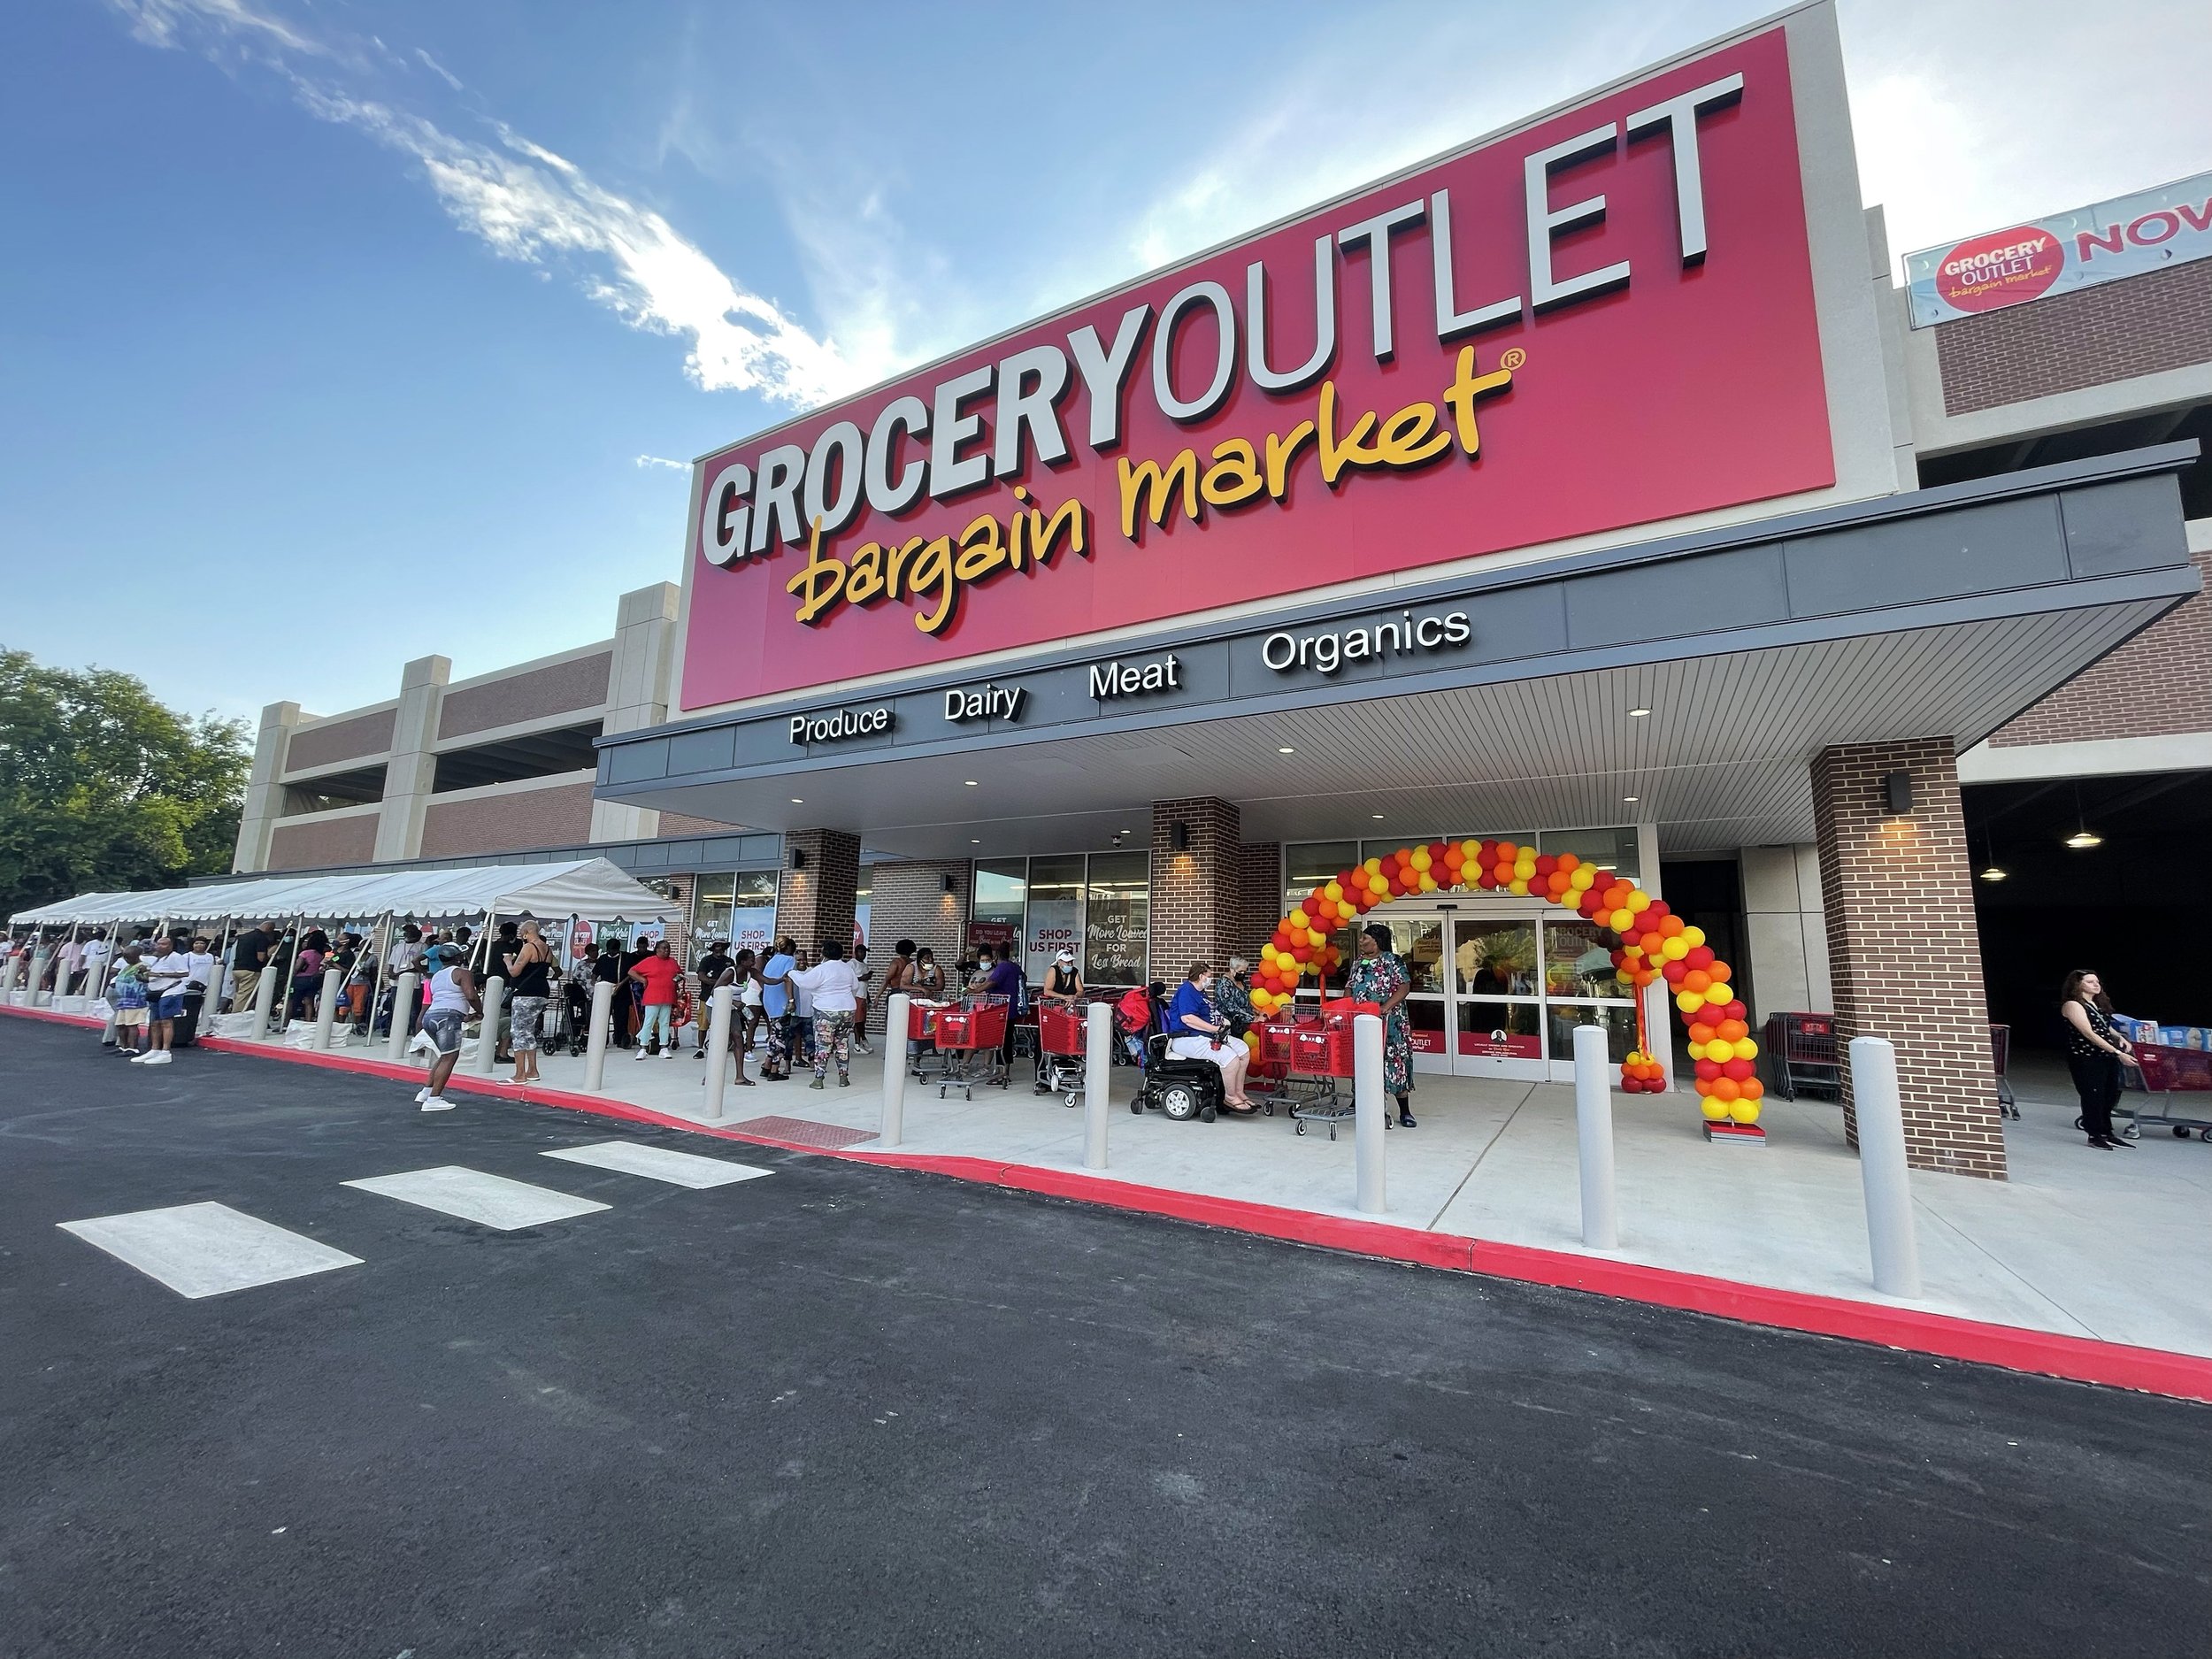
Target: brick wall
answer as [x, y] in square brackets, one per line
[310, 843]
[556, 817]
[677, 823]
[1197, 901]
[1259, 897]
[325, 745]
[1904, 954]
[908, 901]
[817, 903]
[2142, 325]
[2157, 684]
[574, 687]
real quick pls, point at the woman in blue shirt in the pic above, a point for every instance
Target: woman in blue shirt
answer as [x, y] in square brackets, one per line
[1195, 1031]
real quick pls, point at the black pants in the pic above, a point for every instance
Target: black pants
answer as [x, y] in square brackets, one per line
[2097, 1080]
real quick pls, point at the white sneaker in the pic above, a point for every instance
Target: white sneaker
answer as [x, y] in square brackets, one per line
[438, 1103]
[640, 1054]
[422, 1094]
[140, 1059]
[669, 1054]
[160, 1056]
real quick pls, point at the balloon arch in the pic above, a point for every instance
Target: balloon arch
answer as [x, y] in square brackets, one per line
[1651, 943]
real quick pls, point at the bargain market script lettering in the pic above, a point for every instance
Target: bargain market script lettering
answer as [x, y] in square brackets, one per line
[996, 422]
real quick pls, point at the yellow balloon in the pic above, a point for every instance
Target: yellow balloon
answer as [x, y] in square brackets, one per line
[1428, 882]
[1688, 1002]
[1721, 995]
[1624, 976]
[1621, 919]
[1334, 891]
[1696, 1050]
[1471, 850]
[1524, 868]
[1673, 950]
[1583, 880]
[1379, 887]
[1692, 937]
[1298, 918]
[1421, 859]
[1744, 1111]
[1517, 885]
[1252, 1041]
[1638, 899]
[1373, 866]
[1713, 1109]
[1743, 1049]
[1316, 938]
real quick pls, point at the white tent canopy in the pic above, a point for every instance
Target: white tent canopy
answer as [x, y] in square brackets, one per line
[590, 887]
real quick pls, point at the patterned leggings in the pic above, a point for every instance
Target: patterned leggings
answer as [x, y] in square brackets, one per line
[833, 1033]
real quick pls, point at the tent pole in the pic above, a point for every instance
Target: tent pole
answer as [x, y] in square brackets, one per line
[212, 1004]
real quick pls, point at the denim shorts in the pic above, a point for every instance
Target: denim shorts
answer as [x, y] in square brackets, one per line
[443, 1027]
[169, 1008]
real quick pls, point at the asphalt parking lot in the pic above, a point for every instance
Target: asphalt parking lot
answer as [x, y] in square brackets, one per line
[855, 1411]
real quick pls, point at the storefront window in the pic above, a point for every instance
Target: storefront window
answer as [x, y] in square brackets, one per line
[1577, 963]
[739, 907]
[1618, 1021]
[1001, 889]
[1117, 920]
[1609, 849]
[1309, 864]
[1056, 912]
[1519, 838]
[1495, 957]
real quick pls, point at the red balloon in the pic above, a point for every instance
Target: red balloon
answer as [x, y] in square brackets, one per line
[1545, 863]
[1674, 972]
[1709, 1069]
[1658, 909]
[1737, 1068]
[1700, 956]
[1737, 1010]
[1487, 879]
[1302, 953]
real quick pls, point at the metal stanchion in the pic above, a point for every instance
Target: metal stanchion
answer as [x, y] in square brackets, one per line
[595, 1045]
[894, 1046]
[487, 1029]
[406, 991]
[1098, 1078]
[1368, 1123]
[327, 1008]
[1881, 1118]
[1593, 1138]
[717, 1048]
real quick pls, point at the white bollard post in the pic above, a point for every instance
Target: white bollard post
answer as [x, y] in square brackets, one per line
[1593, 1138]
[14, 968]
[406, 997]
[1098, 1081]
[1368, 1122]
[264, 1003]
[37, 998]
[327, 1008]
[494, 1000]
[596, 1046]
[894, 1046]
[1881, 1120]
[717, 1048]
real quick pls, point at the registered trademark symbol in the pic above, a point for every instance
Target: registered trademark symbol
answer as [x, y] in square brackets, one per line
[1514, 358]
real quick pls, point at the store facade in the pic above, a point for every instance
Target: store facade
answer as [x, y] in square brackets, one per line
[1557, 490]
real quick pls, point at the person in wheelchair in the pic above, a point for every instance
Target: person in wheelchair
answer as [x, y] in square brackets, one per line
[1196, 1031]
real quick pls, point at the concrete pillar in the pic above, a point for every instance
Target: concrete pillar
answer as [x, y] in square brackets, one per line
[1197, 889]
[265, 793]
[327, 1007]
[640, 693]
[406, 993]
[494, 999]
[1903, 951]
[819, 886]
[595, 1045]
[411, 771]
[1371, 1192]
[718, 1048]
[894, 1126]
[265, 994]
[1098, 1078]
[1892, 1243]
[39, 962]
[1593, 1138]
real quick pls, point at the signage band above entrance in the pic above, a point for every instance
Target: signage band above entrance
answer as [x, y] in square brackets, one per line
[1604, 320]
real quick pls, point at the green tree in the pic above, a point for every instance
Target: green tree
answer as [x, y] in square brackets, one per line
[103, 788]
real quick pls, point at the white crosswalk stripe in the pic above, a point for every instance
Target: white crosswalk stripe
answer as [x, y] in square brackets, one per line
[680, 1169]
[492, 1200]
[206, 1249]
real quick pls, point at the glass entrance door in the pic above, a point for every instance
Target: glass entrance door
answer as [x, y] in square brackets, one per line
[1497, 1025]
[1418, 941]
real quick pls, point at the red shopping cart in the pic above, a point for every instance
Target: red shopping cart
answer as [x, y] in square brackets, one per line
[970, 1038]
[1321, 1054]
[1802, 1050]
[2165, 1073]
[923, 1058]
[1060, 1037]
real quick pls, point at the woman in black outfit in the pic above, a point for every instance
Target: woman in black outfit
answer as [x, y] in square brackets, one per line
[2096, 1051]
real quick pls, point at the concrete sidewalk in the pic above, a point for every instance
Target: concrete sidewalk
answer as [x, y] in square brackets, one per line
[2109, 1246]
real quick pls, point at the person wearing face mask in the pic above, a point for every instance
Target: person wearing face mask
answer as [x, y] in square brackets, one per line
[2096, 1051]
[1195, 1031]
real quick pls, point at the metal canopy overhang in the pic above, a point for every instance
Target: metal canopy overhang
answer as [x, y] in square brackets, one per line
[1938, 612]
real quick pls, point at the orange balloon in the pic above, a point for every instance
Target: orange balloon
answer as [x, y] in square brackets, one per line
[1720, 973]
[1725, 1088]
[1751, 1088]
[1697, 979]
[1732, 1030]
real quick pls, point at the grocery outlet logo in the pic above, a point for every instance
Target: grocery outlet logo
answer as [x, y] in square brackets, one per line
[2001, 269]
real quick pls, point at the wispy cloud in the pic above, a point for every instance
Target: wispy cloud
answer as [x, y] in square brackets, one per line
[660, 460]
[439, 70]
[529, 205]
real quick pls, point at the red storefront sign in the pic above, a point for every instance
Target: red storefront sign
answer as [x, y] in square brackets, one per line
[1604, 320]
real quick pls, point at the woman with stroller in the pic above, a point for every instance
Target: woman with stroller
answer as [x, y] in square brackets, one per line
[1380, 977]
[1195, 1031]
[2096, 1051]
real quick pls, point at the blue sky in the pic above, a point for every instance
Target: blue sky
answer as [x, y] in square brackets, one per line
[338, 334]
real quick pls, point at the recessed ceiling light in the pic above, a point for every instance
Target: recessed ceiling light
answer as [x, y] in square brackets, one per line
[1629, 799]
[975, 844]
[1377, 817]
[1637, 714]
[1286, 750]
[969, 781]
[796, 802]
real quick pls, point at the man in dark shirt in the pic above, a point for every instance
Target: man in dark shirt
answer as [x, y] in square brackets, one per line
[504, 949]
[248, 959]
[710, 968]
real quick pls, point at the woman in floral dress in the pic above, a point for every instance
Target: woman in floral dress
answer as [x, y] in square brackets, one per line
[1379, 978]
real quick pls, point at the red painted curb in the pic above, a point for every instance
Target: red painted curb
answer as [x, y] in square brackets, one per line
[2044, 1353]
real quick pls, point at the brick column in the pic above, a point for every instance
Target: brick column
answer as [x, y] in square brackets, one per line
[1904, 954]
[817, 903]
[925, 900]
[1196, 893]
[1259, 896]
